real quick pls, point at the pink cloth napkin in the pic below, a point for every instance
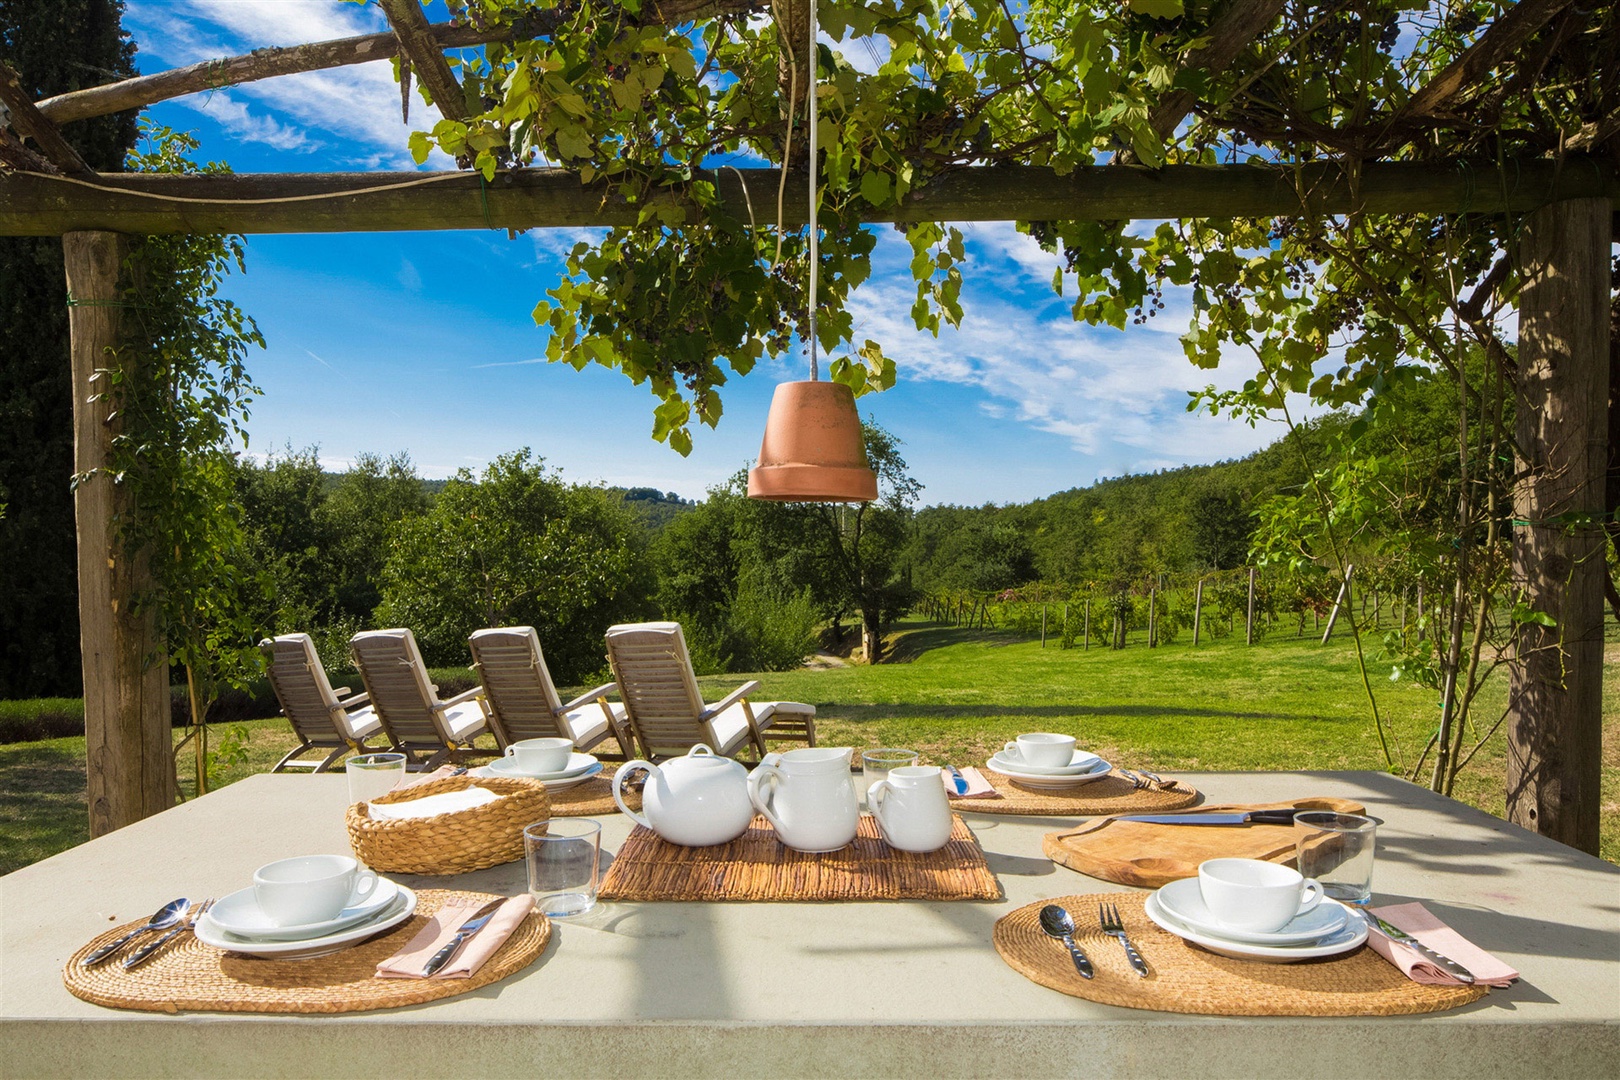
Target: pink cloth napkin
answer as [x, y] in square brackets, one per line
[977, 786]
[409, 961]
[1415, 920]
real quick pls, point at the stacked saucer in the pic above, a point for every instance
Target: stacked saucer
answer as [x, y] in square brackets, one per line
[1082, 768]
[580, 768]
[1327, 929]
[238, 924]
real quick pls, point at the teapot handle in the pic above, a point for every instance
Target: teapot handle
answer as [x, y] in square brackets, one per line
[618, 785]
[757, 779]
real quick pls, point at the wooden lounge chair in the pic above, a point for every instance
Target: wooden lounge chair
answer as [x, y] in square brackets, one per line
[320, 716]
[666, 711]
[407, 702]
[520, 701]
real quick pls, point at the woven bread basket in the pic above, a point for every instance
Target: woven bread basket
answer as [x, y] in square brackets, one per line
[456, 843]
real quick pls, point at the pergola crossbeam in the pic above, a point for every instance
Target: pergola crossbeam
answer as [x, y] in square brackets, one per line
[422, 49]
[1498, 42]
[26, 121]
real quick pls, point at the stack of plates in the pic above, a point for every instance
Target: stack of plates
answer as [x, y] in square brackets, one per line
[238, 924]
[580, 768]
[1083, 768]
[1328, 929]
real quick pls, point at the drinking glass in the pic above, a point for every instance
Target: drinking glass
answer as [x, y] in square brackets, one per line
[1337, 850]
[564, 855]
[875, 766]
[371, 775]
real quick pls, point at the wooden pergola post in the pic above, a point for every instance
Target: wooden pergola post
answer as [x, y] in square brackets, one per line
[126, 684]
[1556, 715]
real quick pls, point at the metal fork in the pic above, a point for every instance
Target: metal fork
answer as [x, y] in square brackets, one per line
[1151, 781]
[146, 952]
[1108, 919]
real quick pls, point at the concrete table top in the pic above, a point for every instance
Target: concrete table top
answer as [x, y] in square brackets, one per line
[840, 989]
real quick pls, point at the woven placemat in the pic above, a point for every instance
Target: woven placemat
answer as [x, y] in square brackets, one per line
[1186, 979]
[593, 797]
[191, 976]
[757, 866]
[1113, 794]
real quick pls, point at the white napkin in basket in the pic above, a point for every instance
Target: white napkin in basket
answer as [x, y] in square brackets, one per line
[448, 802]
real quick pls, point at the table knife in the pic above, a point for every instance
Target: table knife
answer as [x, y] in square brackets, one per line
[958, 779]
[1395, 933]
[1247, 817]
[467, 930]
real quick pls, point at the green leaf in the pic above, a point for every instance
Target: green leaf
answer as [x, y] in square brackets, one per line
[875, 187]
[1156, 9]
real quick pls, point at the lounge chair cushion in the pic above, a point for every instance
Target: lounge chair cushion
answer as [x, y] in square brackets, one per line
[589, 725]
[362, 723]
[463, 721]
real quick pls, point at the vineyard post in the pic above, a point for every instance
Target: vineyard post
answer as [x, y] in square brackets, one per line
[1248, 620]
[1043, 626]
[1198, 607]
[1153, 618]
[1420, 602]
[1065, 624]
[1344, 600]
[1087, 631]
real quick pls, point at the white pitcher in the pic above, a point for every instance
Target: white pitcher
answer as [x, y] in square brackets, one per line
[808, 796]
[911, 809]
[696, 800]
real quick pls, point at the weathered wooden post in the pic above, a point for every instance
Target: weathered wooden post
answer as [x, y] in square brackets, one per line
[1561, 427]
[1043, 610]
[1198, 607]
[1153, 618]
[127, 739]
[1343, 600]
[1248, 621]
[1087, 631]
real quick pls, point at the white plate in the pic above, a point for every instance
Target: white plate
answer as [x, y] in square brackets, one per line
[240, 914]
[1082, 762]
[552, 781]
[577, 765]
[1353, 934]
[1050, 783]
[1183, 901]
[209, 933]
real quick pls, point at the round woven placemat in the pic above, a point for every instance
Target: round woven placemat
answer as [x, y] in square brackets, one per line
[1186, 979]
[593, 797]
[191, 976]
[1113, 794]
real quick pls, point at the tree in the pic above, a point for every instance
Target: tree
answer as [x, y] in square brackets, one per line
[1220, 528]
[517, 546]
[55, 46]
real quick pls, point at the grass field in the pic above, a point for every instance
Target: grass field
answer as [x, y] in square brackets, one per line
[956, 695]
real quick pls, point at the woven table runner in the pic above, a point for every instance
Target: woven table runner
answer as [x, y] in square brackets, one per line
[190, 976]
[593, 797]
[1113, 794]
[1186, 979]
[757, 866]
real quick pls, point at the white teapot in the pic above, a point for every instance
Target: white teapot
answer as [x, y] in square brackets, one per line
[696, 800]
[808, 796]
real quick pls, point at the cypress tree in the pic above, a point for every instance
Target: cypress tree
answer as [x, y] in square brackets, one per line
[56, 46]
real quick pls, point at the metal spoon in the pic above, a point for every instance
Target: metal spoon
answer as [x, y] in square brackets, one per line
[163, 918]
[1057, 922]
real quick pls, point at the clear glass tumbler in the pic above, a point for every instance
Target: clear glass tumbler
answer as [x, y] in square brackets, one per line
[1337, 850]
[565, 855]
[371, 775]
[875, 766]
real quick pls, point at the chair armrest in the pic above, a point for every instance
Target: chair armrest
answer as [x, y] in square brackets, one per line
[351, 702]
[340, 691]
[729, 700]
[589, 696]
[460, 698]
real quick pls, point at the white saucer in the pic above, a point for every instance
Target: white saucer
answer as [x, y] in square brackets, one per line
[240, 914]
[1350, 937]
[508, 766]
[209, 933]
[1183, 901]
[1048, 782]
[553, 781]
[1082, 762]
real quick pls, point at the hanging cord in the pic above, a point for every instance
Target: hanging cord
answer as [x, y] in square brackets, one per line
[815, 247]
[748, 201]
[787, 145]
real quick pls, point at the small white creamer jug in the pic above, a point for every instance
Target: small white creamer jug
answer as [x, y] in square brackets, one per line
[911, 809]
[808, 796]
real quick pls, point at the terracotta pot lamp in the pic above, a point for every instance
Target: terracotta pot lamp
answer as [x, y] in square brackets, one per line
[812, 450]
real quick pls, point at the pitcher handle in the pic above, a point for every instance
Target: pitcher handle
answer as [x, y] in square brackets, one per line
[757, 780]
[876, 795]
[618, 792]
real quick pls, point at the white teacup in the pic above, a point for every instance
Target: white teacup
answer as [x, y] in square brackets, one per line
[541, 755]
[310, 888]
[1249, 894]
[1042, 748]
[910, 808]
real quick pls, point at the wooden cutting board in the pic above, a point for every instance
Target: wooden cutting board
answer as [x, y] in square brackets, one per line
[1148, 855]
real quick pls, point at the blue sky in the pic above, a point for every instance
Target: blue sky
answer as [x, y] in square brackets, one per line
[423, 342]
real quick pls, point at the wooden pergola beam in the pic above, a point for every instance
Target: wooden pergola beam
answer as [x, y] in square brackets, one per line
[1495, 44]
[422, 49]
[1231, 31]
[36, 205]
[27, 122]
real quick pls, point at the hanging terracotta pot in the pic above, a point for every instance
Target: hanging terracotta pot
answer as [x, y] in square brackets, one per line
[812, 450]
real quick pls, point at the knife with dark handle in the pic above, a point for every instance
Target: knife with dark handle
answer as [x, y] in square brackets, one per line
[1395, 933]
[467, 930]
[1248, 817]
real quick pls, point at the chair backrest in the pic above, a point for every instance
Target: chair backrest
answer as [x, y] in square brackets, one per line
[522, 701]
[660, 693]
[397, 680]
[301, 685]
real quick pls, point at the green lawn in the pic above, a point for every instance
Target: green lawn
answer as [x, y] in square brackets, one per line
[956, 695]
